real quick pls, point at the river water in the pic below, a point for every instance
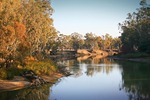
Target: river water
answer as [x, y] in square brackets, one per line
[93, 79]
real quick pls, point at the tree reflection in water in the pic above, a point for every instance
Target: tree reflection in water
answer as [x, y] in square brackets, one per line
[98, 65]
[136, 80]
[135, 76]
[32, 93]
[93, 65]
[92, 78]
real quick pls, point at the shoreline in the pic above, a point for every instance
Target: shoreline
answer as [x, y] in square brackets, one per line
[132, 59]
[10, 85]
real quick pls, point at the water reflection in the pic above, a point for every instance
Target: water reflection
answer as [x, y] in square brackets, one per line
[136, 80]
[104, 79]
[93, 65]
[32, 93]
[93, 79]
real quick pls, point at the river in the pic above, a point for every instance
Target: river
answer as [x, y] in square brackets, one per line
[93, 79]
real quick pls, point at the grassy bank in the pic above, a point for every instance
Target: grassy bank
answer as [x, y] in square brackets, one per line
[11, 78]
[46, 67]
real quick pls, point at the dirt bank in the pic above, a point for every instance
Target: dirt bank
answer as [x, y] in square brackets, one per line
[19, 82]
[13, 85]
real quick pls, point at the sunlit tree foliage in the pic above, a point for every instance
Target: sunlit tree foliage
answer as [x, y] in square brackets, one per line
[26, 27]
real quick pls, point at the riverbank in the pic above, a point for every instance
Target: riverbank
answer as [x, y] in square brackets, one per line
[132, 59]
[20, 82]
[32, 73]
[8, 85]
[138, 57]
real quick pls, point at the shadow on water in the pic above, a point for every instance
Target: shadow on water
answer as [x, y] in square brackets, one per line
[136, 80]
[32, 93]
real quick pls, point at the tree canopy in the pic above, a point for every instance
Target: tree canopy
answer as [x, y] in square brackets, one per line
[136, 30]
[25, 26]
[88, 41]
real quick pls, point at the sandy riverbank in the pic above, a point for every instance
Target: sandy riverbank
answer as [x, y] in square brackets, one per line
[13, 85]
[20, 82]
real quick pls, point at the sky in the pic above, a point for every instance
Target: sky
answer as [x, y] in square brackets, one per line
[96, 16]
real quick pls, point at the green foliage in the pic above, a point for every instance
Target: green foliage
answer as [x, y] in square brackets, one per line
[77, 40]
[116, 43]
[64, 41]
[40, 93]
[89, 41]
[3, 73]
[46, 67]
[13, 71]
[136, 79]
[42, 67]
[9, 73]
[136, 31]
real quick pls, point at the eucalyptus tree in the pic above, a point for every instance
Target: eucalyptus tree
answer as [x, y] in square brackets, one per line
[63, 41]
[37, 18]
[25, 26]
[12, 30]
[90, 41]
[116, 43]
[136, 30]
[99, 42]
[77, 41]
[107, 41]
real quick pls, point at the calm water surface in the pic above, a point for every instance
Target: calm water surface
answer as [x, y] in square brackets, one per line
[93, 79]
[103, 79]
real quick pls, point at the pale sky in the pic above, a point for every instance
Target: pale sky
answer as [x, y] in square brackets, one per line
[96, 16]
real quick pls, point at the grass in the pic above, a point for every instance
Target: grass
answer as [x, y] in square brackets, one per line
[46, 67]
[42, 67]
[9, 73]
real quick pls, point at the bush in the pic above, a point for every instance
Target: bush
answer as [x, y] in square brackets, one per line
[9, 73]
[3, 73]
[39, 67]
[42, 67]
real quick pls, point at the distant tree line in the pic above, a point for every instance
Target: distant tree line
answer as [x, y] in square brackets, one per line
[89, 41]
[135, 35]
